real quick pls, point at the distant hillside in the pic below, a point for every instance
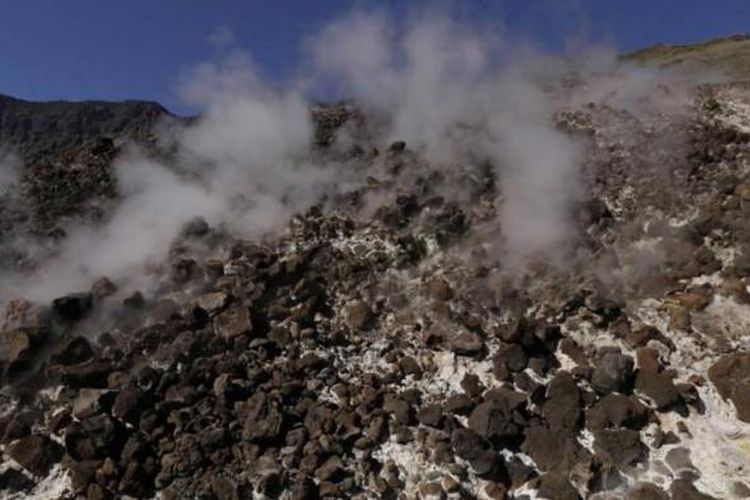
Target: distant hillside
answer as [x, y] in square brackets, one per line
[31, 127]
[730, 55]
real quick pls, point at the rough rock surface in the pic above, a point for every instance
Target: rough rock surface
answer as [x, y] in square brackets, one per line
[378, 347]
[731, 376]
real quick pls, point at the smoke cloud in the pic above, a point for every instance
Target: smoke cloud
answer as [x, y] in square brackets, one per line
[243, 164]
[9, 171]
[454, 91]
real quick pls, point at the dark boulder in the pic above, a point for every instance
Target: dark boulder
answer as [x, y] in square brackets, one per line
[233, 322]
[615, 411]
[264, 420]
[500, 417]
[619, 448]
[480, 454]
[466, 343]
[613, 373]
[92, 373]
[512, 357]
[96, 437]
[555, 486]
[646, 491]
[37, 454]
[430, 415]
[13, 481]
[563, 407]
[683, 489]
[652, 381]
[72, 351]
[16, 348]
[359, 315]
[731, 376]
[72, 307]
[540, 441]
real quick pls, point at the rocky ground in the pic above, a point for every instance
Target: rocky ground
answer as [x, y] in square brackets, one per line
[379, 348]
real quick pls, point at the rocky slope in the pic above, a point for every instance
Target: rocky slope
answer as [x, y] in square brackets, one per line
[33, 128]
[379, 348]
[730, 56]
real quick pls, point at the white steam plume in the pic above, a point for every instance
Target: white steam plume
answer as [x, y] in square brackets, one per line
[243, 164]
[453, 91]
[9, 171]
[449, 90]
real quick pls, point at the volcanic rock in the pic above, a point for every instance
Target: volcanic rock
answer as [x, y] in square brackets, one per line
[72, 307]
[459, 404]
[646, 491]
[212, 302]
[102, 288]
[37, 454]
[500, 417]
[479, 453]
[683, 489]
[615, 411]
[619, 447]
[562, 410]
[430, 415]
[352, 353]
[568, 453]
[466, 343]
[731, 376]
[613, 373]
[95, 437]
[92, 401]
[653, 382]
[264, 421]
[511, 356]
[15, 347]
[233, 322]
[91, 373]
[555, 486]
[72, 351]
[14, 481]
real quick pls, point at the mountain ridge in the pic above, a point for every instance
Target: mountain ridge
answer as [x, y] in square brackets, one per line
[729, 55]
[33, 126]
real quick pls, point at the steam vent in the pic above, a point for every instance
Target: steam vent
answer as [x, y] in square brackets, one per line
[469, 279]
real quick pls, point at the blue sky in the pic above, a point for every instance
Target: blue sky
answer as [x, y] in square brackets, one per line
[86, 49]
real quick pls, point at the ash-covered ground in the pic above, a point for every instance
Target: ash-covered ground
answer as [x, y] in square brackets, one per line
[558, 308]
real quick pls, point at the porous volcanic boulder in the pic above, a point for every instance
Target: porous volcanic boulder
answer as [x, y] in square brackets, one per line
[71, 351]
[212, 302]
[540, 441]
[72, 307]
[562, 410]
[37, 454]
[95, 437]
[685, 490]
[500, 417]
[466, 343]
[480, 454]
[14, 481]
[555, 486]
[731, 376]
[646, 491]
[619, 447]
[613, 373]
[264, 420]
[512, 357]
[615, 411]
[233, 322]
[652, 381]
[15, 347]
[359, 315]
